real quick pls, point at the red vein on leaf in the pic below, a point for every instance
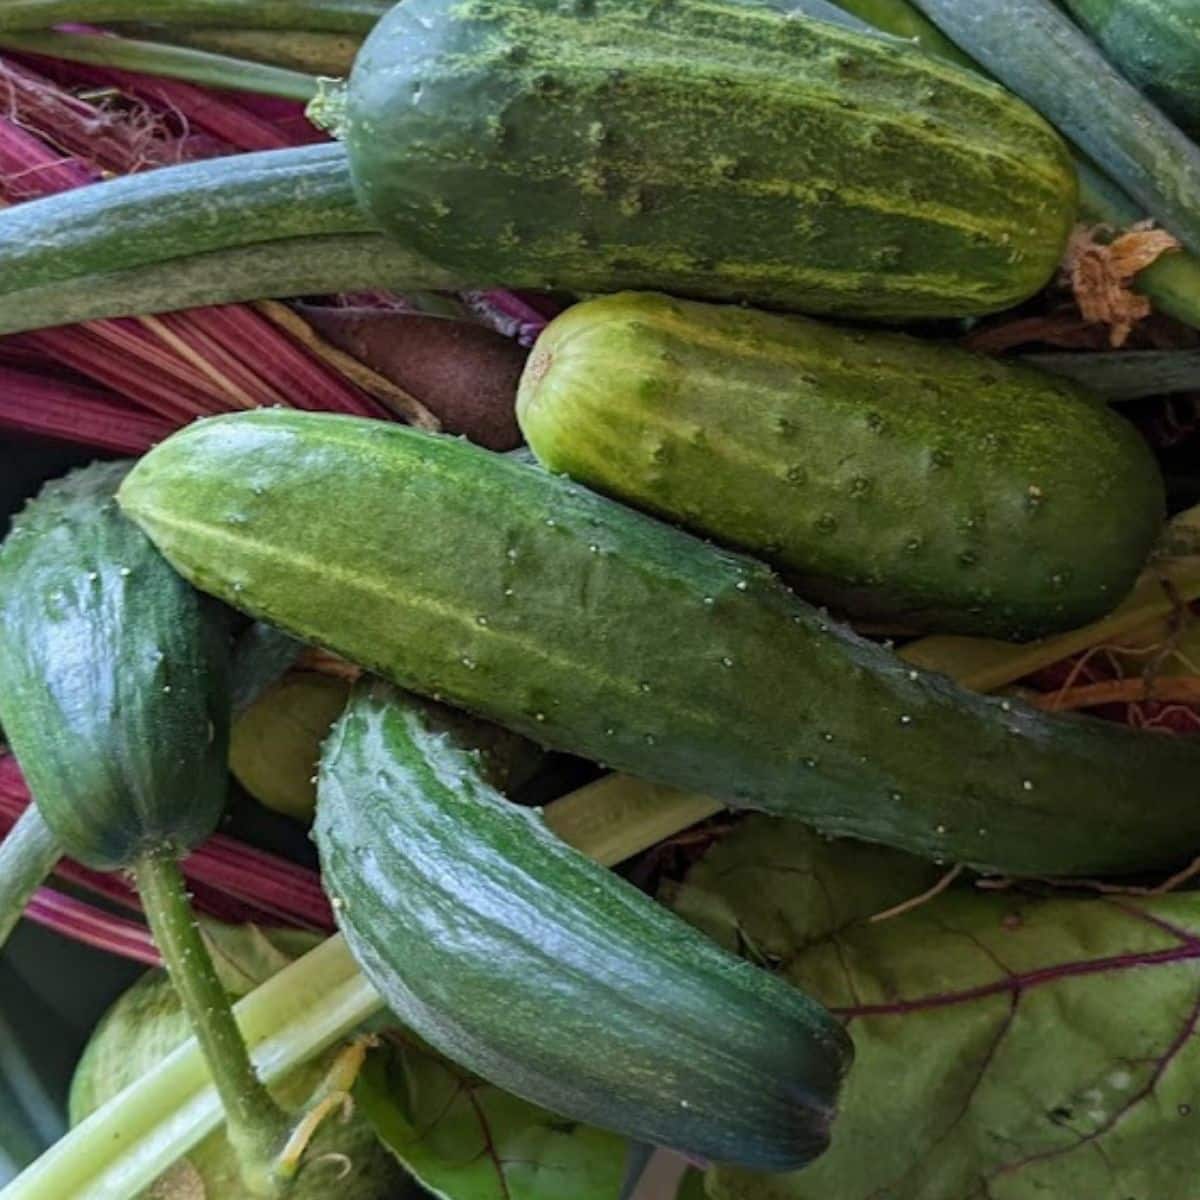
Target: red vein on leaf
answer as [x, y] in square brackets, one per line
[1025, 981]
[1169, 1055]
[489, 1144]
[884, 1191]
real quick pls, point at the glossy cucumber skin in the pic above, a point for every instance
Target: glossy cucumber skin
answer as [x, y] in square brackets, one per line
[591, 628]
[898, 479]
[114, 685]
[1156, 43]
[742, 153]
[551, 977]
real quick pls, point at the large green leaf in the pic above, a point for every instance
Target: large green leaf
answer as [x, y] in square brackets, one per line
[466, 1140]
[1010, 1047]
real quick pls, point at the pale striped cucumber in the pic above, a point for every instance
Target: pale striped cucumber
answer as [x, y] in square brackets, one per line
[899, 479]
[740, 152]
[591, 628]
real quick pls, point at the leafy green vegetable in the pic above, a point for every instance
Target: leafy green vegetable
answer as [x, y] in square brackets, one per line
[466, 1140]
[1010, 1047]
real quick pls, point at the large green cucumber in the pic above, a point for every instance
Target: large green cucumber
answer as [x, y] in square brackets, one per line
[740, 152]
[1156, 43]
[113, 677]
[899, 479]
[533, 966]
[594, 629]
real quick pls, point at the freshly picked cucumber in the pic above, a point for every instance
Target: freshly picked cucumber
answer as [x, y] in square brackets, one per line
[898, 479]
[533, 966]
[588, 627]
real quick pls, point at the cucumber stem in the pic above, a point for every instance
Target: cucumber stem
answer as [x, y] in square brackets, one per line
[173, 62]
[256, 1126]
[27, 856]
[307, 1007]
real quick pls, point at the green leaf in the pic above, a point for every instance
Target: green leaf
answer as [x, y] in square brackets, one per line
[1009, 1047]
[466, 1140]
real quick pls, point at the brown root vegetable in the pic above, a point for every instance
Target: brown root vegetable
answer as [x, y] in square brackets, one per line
[465, 374]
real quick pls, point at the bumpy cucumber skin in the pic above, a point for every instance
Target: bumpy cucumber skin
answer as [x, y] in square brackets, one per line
[741, 154]
[1156, 43]
[507, 951]
[896, 478]
[591, 628]
[114, 691]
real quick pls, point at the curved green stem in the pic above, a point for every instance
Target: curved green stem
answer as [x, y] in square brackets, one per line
[256, 1126]
[299, 266]
[173, 62]
[326, 16]
[328, 54]
[27, 856]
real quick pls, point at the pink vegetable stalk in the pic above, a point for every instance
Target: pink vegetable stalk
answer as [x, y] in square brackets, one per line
[230, 881]
[169, 369]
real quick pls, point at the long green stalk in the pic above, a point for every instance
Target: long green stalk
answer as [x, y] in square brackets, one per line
[255, 1125]
[328, 54]
[172, 62]
[310, 1005]
[301, 266]
[27, 856]
[218, 204]
[328, 16]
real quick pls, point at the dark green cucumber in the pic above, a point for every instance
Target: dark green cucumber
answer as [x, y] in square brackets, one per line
[1156, 43]
[299, 266]
[1036, 50]
[529, 964]
[1172, 281]
[591, 628]
[901, 480]
[217, 204]
[742, 153]
[113, 677]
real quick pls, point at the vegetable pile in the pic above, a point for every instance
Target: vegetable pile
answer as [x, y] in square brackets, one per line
[690, 508]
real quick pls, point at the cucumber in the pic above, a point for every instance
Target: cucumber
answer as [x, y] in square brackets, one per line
[509, 952]
[590, 628]
[113, 678]
[742, 153]
[1033, 47]
[901, 480]
[1172, 281]
[1156, 43]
